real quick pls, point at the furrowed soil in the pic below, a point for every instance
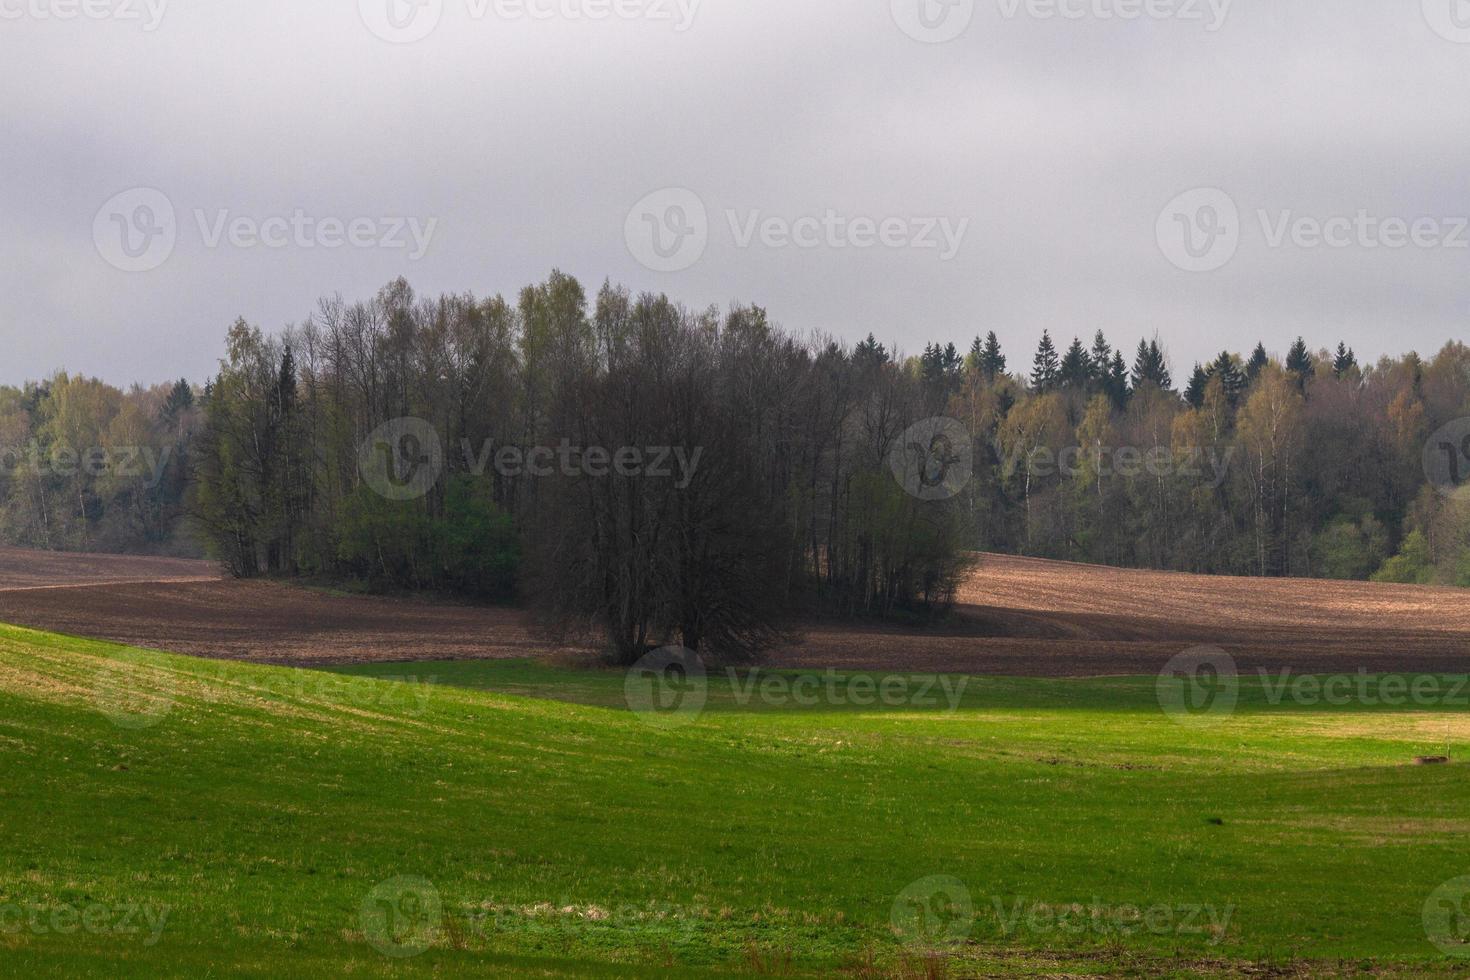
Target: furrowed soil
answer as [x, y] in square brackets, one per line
[188, 607]
[1015, 616]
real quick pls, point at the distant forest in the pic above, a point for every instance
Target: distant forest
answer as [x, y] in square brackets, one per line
[1307, 465]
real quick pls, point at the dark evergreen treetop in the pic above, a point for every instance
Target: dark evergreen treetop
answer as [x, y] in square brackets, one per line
[1046, 367]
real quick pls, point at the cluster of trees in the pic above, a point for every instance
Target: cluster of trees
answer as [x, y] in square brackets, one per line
[86, 466]
[792, 502]
[1311, 465]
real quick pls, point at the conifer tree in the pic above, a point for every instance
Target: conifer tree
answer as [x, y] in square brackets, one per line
[1046, 367]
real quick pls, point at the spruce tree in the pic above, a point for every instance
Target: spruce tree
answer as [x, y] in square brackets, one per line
[1140, 365]
[1299, 363]
[1161, 366]
[180, 399]
[870, 352]
[1257, 362]
[1118, 381]
[992, 361]
[950, 364]
[929, 366]
[1195, 393]
[1046, 367]
[1076, 367]
[1231, 377]
[1149, 367]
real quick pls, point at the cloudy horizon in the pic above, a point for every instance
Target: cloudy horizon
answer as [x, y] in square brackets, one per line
[1217, 173]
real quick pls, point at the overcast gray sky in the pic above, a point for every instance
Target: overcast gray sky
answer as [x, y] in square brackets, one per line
[169, 168]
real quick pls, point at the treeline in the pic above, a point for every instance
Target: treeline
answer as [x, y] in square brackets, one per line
[621, 463]
[85, 466]
[1312, 465]
[624, 464]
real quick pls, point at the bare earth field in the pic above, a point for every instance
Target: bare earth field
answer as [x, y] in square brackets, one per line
[188, 608]
[1028, 617]
[1021, 617]
[49, 569]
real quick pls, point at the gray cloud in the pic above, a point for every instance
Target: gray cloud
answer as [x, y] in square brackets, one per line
[529, 140]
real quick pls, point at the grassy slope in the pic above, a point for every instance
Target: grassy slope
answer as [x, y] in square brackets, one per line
[266, 804]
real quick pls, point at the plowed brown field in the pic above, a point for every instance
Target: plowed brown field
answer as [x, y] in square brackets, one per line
[188, 608]
[1016, 616]
[1028, 617]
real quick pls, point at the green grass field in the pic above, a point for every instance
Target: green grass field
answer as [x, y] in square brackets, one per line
[161, 815]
